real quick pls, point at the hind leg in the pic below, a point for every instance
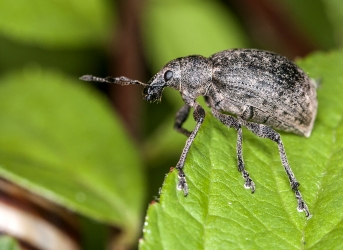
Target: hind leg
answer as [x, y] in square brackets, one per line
[264, 131]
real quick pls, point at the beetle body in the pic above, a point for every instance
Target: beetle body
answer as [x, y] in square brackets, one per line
[259, 86]
[262, 89]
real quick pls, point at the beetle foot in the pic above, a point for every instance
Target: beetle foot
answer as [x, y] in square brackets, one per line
[249, 184]
[302, 207]
[182, 185]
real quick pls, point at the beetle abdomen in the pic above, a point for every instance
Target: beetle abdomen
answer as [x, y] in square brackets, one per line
[265, 88]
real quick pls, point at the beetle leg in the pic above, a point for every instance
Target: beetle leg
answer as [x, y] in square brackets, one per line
[249, 184]
[234, 123]
[207, 101]
[264, 131]
[199, 116]
[180, 118]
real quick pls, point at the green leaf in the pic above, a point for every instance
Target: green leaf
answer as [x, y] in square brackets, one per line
[61, 140]
[180, 28]
[8, 243]
[56, 24]
[219, 213]
[334, 10]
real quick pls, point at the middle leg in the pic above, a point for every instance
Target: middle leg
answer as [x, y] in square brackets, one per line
[234, 123]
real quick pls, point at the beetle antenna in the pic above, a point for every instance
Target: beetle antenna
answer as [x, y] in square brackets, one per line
[122, 80]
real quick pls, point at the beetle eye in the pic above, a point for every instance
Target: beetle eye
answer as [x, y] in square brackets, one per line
[168, 75]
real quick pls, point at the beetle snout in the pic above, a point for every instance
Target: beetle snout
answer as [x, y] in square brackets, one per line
[152, 93]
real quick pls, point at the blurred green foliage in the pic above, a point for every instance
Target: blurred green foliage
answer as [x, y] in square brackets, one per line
[66, 160]
[314, 20]
[56, 24]
[210, 28]
[60, 138]
[8, 243]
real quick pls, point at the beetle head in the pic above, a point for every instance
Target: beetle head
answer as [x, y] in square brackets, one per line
[168, 76]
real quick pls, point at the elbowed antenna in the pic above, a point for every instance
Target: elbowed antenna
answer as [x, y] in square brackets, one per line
[122, 80]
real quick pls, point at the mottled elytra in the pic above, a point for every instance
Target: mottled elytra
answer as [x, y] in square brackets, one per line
[263, 90]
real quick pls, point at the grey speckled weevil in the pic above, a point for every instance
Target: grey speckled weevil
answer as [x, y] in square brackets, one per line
[262, 89]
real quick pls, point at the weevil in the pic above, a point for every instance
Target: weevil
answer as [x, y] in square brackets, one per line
[250, 88]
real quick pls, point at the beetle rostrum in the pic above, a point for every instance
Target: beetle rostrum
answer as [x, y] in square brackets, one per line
[261, 91]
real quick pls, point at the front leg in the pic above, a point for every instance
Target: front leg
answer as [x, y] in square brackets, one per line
[199, 116]
[180, 118]
[232, 122]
